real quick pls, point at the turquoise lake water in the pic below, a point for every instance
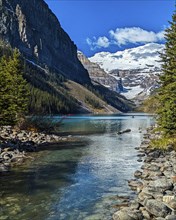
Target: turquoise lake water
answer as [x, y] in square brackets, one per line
[81, 180]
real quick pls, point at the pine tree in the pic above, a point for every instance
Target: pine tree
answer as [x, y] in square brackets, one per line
[13, 92]
[167, 92]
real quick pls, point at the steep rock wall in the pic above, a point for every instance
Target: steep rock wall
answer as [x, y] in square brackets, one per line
[32, 27]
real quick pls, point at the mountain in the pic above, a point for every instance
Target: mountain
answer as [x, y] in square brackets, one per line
[137, 67]
[107, 85]
[142, 57]
[57, 80]
[98, 75]
[31, 27]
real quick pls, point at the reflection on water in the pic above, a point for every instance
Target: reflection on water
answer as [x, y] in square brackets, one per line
[77, 182]
[98, 124]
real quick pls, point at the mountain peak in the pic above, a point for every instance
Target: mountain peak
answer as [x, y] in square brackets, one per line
[134, 58]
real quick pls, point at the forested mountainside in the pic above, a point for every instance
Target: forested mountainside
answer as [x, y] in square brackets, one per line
[57, 81]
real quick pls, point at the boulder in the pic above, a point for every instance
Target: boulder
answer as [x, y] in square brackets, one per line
[145, 213]
[172, 203]
[134, 184]
[157, 208]
[128, 214]
[162, 184]
[134, 204]
[4, 168]
[137, 174]
[171, 217]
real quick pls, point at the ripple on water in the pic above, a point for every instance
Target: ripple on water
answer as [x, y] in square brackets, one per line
[78, 182]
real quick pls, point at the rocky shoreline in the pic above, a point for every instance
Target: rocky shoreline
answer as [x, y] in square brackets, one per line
[155, 185]
[15, 145]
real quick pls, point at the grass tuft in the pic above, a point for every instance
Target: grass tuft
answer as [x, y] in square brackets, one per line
[164, 143]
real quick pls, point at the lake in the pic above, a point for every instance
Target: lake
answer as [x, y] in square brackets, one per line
[85, 180]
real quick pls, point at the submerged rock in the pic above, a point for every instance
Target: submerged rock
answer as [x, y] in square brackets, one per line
[4, 168]
[125, 131]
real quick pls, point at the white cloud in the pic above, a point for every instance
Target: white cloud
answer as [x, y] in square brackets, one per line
[123, 36]
[101, 42]
[161, 35]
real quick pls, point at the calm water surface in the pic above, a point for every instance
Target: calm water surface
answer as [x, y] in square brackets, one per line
[78, 181]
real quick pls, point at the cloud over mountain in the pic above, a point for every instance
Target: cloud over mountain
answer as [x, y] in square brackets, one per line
[101, 42]
[124, 36]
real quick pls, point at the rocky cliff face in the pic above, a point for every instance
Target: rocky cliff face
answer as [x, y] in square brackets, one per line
[97, 74]
[31, 26]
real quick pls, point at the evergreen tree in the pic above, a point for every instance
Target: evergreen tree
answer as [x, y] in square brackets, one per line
[13, 92]
[167, 91]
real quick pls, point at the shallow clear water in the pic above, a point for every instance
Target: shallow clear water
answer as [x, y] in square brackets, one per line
[78, 181]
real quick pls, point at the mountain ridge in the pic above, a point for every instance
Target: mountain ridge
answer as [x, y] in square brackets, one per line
[129, 58]
[139, 68]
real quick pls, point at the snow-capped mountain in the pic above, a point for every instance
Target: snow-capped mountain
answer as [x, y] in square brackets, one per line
[138, 67]
[135, 58]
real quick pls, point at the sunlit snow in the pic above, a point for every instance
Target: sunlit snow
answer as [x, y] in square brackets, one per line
[141, 57]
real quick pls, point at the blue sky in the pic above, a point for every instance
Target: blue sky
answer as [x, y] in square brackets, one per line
[112, 25]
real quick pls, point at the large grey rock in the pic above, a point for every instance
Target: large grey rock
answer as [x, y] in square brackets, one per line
[153, 167]
[135, 184]
[145, 213]
[148, 174]
[160, 218]
[148, 191]
[128, 214]
[161, 184]
[171, 217]
[137, 174]
[142, 198]
[155, 154]
[134, 204]
[157, 208]
[172, 203]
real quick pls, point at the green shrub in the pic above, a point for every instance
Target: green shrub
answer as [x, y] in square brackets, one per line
[163, 143]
